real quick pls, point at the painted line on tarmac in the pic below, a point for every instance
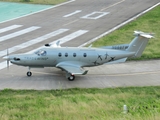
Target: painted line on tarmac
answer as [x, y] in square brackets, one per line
[21, 32]
[32, 42]
[73, 13]
[122, 24]
[93, 15]
[9, 28]
[112, 5]
[64, 39]
[40, 11]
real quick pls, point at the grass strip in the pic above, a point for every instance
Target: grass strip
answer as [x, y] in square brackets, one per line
[91, 104]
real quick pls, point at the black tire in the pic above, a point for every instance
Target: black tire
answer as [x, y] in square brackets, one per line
[71, 78]
[29, 74]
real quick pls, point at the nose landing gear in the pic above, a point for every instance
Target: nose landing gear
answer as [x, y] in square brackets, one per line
[29, 73]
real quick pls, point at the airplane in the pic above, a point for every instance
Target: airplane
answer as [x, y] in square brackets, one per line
[72, 60]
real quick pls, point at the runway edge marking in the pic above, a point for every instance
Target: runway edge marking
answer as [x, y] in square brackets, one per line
[115, 28]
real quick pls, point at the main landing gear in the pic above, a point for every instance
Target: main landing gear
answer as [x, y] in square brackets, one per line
[71, 78]
[29, 73]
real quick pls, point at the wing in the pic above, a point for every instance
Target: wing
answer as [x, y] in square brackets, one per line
[72, 68]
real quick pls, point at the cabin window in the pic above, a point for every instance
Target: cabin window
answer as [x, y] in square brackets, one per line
[85, 55]
[59, 54]
[66, 54]
[74, 54]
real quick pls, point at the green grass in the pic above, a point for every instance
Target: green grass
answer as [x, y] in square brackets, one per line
[46, 2]
[149, 22]
[81, 104]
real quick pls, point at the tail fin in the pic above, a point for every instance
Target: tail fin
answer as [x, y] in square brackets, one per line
[139, 43]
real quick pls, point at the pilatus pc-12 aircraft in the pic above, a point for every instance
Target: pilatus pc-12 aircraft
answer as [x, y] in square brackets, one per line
[72, 60]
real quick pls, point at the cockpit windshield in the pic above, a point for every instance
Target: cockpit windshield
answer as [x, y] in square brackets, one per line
[41, 53]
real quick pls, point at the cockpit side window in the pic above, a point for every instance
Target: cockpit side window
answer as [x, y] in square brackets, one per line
[41, 53]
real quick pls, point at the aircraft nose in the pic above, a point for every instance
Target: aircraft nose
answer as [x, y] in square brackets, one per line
[6, 58]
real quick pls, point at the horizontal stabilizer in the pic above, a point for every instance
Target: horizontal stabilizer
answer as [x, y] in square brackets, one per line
[146, 35]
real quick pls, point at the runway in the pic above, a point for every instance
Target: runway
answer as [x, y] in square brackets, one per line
[73, 24]
[141, 73]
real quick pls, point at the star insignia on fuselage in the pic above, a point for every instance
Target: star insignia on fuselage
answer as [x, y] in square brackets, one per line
[96, 63]
[112, 59]
[99, 57]
[106, 55]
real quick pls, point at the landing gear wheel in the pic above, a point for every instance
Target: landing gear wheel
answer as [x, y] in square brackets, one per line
[71, 78]
[29, 74]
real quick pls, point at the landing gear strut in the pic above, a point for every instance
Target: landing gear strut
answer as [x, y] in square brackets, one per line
[29, 73]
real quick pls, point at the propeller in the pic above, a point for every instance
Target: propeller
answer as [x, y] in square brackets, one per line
[7, 59]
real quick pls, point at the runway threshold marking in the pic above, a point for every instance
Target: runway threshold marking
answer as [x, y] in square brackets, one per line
[32, 42]
[73, 13]
[62, 40]
[21, 32]
[112, 5]
[9, 28]
[65, 39]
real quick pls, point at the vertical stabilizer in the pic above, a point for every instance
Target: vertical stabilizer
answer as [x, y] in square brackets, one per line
[139, 43]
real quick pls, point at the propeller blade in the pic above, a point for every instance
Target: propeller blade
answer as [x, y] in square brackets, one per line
[7, 59]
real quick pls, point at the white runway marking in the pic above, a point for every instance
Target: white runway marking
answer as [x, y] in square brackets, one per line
[95, 15]
[32, 42]
[63, 40]
[21, 32]
[4, 65]
[71, 36]
[112, 5]
[77, 11]
[10, 28]
[120, 25]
